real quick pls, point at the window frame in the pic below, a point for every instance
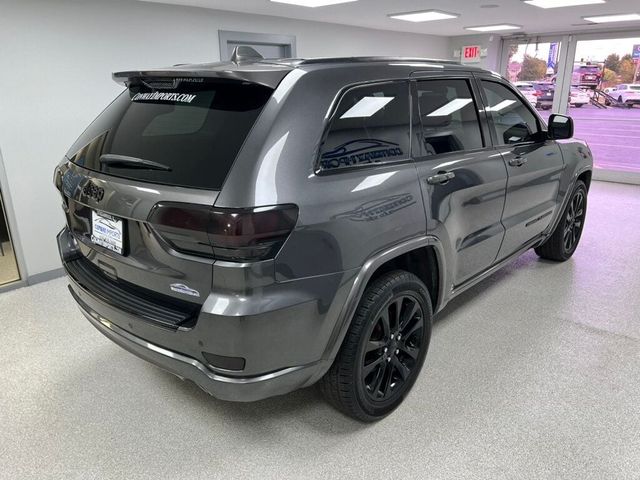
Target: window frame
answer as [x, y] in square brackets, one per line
[317, 168]
[542, 130]
[485, 130]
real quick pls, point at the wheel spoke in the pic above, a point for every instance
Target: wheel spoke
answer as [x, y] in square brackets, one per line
[384, 319]
[369, 367]
[406, 317]
[417, 325]
[388, 375]
[375, 386]
[398, 311]
[374, 345]
[411, 351]
[401, 368]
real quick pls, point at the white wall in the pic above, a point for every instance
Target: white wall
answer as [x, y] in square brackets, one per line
[492, 43]
[56, 59]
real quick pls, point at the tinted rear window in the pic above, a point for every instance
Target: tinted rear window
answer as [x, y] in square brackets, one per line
[194, 129]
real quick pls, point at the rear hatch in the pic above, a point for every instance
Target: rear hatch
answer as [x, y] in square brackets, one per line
[140, 181]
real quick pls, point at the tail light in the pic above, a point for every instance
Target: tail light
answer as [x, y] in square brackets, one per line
[233, 234]
[537, 93]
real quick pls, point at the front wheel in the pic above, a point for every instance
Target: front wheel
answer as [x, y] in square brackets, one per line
[564, 240]
[384, 349]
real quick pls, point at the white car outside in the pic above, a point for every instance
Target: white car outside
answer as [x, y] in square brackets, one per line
[627, 93]
[528, 90]
[579, 97]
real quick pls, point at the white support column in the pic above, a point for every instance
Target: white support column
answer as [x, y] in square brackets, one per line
[565, 74]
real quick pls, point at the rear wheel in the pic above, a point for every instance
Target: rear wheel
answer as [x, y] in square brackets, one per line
[561, 245]
[384, 349]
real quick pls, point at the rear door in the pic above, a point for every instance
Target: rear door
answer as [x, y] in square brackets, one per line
[462, 176]
[534, 164]
[164, 142]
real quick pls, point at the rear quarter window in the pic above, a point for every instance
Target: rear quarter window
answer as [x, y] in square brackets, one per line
[370, 125]
[195, 129]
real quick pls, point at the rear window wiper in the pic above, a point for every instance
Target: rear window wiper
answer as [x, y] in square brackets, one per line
[124, 161]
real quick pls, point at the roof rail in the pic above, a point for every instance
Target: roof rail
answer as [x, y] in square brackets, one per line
[312, 61]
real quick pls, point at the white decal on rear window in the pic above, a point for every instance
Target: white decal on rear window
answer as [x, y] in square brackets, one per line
[164, 96]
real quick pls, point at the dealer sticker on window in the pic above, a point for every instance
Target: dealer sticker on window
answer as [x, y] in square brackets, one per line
[107, 231]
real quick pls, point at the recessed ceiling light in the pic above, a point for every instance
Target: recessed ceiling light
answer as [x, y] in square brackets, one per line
[494, 28]
[313, 3]
[623, 17]
[424, 16]
[562, 3]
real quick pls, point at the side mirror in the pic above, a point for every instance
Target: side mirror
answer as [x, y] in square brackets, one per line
[560, 127]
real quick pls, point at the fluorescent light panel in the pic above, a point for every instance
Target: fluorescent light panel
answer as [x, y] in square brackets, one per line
[367, 107]
[313, 3]
[424, 16]
[562, 3]
[501, 106]
[622, 17]
[451, 107]
[494, 28]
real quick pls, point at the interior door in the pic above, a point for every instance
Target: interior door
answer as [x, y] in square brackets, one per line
[463, 177]
[534, 164]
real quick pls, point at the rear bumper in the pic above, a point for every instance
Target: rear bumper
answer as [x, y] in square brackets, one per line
[241, 389]
[284, 340]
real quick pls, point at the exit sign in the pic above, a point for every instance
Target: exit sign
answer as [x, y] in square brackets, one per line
[471, 54]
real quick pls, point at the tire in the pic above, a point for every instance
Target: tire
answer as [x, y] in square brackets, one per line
[578, 105]
[380, 360]
[564, 240]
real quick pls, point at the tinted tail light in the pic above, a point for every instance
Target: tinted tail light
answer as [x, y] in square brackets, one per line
[234, 234]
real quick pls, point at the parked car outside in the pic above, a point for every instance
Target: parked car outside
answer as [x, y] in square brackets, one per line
[579, 97]
[528, 91]
[545, 93]
[629, 94]
[221, 226]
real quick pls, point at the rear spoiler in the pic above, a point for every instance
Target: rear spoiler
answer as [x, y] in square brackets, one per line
[269, 75]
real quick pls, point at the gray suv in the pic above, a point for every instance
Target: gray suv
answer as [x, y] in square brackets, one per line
[258, 226]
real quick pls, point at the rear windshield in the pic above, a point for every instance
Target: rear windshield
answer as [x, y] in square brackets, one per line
[589, 69]
[192, 132]
[634, 87]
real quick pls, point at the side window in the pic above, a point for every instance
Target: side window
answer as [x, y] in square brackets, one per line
[370, 125]
[449, 116]
[512, 120]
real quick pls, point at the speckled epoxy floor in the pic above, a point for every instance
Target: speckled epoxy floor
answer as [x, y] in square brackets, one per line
[534, 373]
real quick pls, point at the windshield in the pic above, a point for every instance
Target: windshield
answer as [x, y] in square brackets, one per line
[634, 87]
[193, 130]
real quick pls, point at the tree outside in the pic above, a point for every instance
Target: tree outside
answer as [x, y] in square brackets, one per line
[533, 69]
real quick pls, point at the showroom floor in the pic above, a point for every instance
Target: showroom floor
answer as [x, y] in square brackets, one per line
[532, 374]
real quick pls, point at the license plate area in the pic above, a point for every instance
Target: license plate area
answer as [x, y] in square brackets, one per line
[108, 232]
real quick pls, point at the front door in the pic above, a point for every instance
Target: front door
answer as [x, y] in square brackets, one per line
[533, 161]
[463, 177]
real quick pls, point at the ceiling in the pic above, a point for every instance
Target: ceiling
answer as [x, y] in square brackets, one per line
[374, 14]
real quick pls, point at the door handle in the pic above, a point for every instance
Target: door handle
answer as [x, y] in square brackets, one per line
[441, 178]
[517, 161]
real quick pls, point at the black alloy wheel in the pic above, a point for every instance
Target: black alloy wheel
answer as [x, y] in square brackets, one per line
[574, 221]
[384, 348]
[562, 243]
[392, 351]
